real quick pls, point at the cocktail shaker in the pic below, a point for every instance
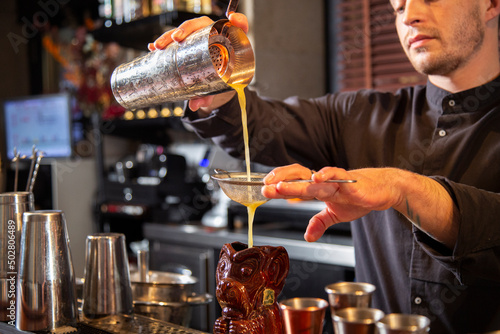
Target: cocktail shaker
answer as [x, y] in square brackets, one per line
[107, 289]
[206, 62]
[46, 295]
[12, 207]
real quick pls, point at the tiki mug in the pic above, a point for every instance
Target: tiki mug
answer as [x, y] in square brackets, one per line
[249, 281]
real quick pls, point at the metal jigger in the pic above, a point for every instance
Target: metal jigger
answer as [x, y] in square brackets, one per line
[356, 320]
[107, 289]
[46, 296]
[206, 62]
[396, 323]
[349, 294]
[12, 207]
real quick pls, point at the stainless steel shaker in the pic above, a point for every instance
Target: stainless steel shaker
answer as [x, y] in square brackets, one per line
[46, 296]
[12, 207]
[107, 289]
[206, 62]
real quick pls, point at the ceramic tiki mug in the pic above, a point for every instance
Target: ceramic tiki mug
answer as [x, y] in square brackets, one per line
[249, 281]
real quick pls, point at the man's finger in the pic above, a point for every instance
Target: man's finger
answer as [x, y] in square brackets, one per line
[162, 41]
[180, 33]
[239, 20]
[190, 26]
[290, 172]
[318, 224]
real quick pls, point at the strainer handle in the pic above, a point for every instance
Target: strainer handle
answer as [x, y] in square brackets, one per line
[221, 171]
[231, 8]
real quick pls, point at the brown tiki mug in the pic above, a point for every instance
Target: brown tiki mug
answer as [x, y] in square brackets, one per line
[249, 281]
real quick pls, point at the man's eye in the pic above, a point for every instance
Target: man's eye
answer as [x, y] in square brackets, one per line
[399, 6]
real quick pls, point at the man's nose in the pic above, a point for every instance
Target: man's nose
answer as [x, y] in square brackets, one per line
[414, 12]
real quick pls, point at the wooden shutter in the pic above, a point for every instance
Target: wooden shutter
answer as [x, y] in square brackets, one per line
[369, 52]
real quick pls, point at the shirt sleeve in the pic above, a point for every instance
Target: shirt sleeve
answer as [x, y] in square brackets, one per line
[476, 256]
[305, 131]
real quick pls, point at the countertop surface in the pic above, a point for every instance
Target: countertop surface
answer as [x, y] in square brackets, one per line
[330, 249]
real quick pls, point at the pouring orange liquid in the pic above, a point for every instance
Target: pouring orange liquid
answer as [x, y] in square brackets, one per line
[239, 88]
[251, 206]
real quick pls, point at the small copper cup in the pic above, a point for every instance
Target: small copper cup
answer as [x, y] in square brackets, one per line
[354, 320]
[303, 315]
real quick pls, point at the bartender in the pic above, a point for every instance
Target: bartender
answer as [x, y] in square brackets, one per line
[426, 205]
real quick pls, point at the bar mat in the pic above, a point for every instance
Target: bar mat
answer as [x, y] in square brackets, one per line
[122, 324]
[137, 324]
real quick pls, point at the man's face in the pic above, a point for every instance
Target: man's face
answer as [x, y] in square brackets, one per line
[439, 36]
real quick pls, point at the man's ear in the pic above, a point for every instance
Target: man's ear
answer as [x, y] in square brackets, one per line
[493, 9]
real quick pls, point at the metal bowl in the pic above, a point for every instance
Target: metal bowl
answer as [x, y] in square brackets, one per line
[166, 296]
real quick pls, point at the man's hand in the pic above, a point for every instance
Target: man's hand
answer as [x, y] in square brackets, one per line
[345, 201]
[424, 201]
[207, 103]
[188, 27]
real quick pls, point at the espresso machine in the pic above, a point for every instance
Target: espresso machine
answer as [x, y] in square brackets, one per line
[154, 184]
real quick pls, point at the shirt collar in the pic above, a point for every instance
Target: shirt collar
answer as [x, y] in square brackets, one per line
[471, 100]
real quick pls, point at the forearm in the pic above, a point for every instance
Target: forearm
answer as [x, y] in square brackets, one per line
[281, 132]
[429, 206]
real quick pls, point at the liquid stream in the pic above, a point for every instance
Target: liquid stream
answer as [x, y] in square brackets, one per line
[251, 204]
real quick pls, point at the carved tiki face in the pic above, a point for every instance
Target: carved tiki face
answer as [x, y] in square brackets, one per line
[249, 279]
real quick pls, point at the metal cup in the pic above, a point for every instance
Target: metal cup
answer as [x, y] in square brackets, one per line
[303, 315]
[354, 320]
[349, 294]
[396, 323]
[206, 62]
[46, 296]
[12, 207]
[107, 289]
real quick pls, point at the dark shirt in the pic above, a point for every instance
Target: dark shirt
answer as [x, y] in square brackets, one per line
[453, 138]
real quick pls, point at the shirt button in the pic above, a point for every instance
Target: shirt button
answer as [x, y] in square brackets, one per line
[451, 103]
[442, 133]
[418, 300]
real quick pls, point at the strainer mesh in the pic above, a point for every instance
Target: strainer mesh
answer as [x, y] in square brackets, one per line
[220, 57]
[239, 189]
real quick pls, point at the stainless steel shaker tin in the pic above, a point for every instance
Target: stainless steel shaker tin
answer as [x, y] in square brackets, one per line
[206, 62]
[46, 295]
[107, 289]
[12, 207]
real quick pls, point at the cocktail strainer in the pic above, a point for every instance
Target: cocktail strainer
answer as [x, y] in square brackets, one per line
[237, 187]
